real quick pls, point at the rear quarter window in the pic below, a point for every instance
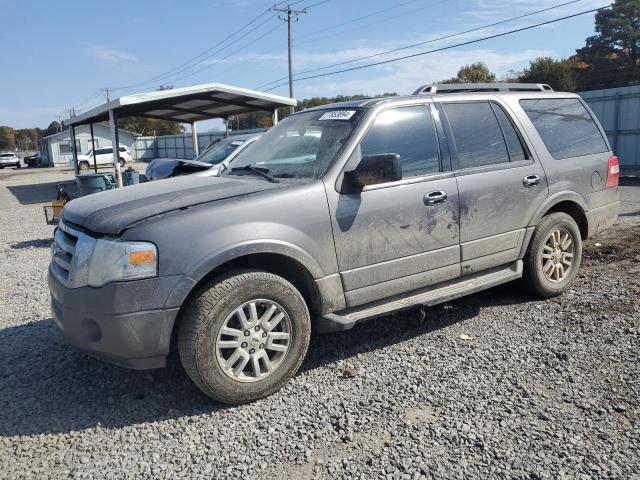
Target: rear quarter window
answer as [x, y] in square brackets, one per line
[565, 126]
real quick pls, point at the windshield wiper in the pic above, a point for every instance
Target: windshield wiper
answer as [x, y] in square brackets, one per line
[263, 172]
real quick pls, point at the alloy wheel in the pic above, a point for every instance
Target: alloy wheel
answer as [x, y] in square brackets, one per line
[253, 340]
[557, 255]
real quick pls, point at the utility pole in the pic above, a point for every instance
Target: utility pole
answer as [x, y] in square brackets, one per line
[291, 15]
[106, 91]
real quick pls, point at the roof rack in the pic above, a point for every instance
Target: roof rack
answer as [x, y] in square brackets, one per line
[437, 88]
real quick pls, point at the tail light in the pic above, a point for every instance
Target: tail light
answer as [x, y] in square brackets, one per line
[613, 172]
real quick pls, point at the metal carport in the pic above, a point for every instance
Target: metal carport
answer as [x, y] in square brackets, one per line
[184, 105]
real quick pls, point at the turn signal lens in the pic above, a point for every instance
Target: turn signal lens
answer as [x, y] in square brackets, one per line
[142, 257]
[613, 172]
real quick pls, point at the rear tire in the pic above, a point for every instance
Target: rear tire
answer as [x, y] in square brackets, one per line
[263, 315]
[553, 257]
[18, 165]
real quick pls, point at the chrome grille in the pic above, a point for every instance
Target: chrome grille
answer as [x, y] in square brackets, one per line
[71, 251]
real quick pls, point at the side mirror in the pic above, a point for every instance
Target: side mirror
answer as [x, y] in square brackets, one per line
[374, 169]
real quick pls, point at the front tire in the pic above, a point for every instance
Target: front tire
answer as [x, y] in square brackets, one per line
[244, 335]
[122, 162]
[83, 165]
[554, 255]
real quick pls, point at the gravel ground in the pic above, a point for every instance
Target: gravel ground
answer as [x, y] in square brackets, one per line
[496, 385]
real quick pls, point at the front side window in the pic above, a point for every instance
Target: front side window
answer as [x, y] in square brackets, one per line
[408, 132]
[301, 146]
[476, 134]
[566, 127]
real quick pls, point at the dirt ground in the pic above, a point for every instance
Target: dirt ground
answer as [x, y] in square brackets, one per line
[494, 385]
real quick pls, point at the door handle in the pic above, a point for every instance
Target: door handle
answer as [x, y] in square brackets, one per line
[531, 181]
[435, 198]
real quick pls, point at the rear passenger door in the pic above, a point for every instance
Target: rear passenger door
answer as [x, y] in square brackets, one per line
[500, 185]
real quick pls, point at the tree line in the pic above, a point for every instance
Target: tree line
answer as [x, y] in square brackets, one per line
[610, 58]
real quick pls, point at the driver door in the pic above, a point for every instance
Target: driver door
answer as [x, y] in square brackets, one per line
[403, 235]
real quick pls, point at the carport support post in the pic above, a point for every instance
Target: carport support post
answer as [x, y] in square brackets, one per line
[114, 143]
[274, 117]
[226, 127]
[93, 149]
[194, 140]
[74, 150]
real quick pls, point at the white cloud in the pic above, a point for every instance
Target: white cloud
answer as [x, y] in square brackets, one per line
[108, 54]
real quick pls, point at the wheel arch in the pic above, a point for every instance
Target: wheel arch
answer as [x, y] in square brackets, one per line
[292, 265]
[567, 202]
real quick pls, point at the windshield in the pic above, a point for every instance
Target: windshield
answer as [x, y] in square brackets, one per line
[301, 146]
[220, 151]
[6, 155]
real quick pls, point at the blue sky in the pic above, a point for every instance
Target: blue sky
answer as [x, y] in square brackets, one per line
[57, 55]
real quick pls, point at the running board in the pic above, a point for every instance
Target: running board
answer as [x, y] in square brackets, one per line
[460, 287]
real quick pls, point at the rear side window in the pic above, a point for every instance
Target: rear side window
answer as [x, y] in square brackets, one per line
[514, 145]
[408, 132]
[566, 127]
[476, 133]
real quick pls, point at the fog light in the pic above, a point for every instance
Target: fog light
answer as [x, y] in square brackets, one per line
[91, 330]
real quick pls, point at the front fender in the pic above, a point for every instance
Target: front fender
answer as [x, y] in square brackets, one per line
[237, 250]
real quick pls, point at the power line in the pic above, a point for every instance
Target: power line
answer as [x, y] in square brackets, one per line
[377, 12]
[198, 59]
[178, 69]
[461, 44]
[216, 48]
[413, 45]
[247, 44]
[229, 55]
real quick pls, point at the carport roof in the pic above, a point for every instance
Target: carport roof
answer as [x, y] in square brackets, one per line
[187, 104]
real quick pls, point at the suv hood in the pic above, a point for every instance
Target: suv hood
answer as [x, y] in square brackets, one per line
[113, 211]
[171, 167]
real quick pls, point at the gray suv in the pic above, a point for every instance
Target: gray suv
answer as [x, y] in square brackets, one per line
[338, 214]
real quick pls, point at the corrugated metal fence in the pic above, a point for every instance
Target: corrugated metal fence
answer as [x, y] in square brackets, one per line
[618, 109]
[177, 146]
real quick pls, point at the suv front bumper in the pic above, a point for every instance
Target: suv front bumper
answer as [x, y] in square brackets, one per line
[126, 323]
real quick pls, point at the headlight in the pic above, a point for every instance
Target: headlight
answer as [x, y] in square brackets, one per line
[114, 261]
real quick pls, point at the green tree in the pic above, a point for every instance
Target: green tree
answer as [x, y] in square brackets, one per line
[611, 58]
[54, 127]
[475, 73]
[559, 74]
[150, 126]
[27, 139]
[7, 138]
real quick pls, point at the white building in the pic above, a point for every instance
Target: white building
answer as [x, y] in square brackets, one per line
[57, 147]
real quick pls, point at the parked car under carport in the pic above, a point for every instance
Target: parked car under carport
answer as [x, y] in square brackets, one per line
[208, 164]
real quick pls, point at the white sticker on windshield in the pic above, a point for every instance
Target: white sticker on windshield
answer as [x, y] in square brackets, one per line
[236, 143]
[337, 115]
